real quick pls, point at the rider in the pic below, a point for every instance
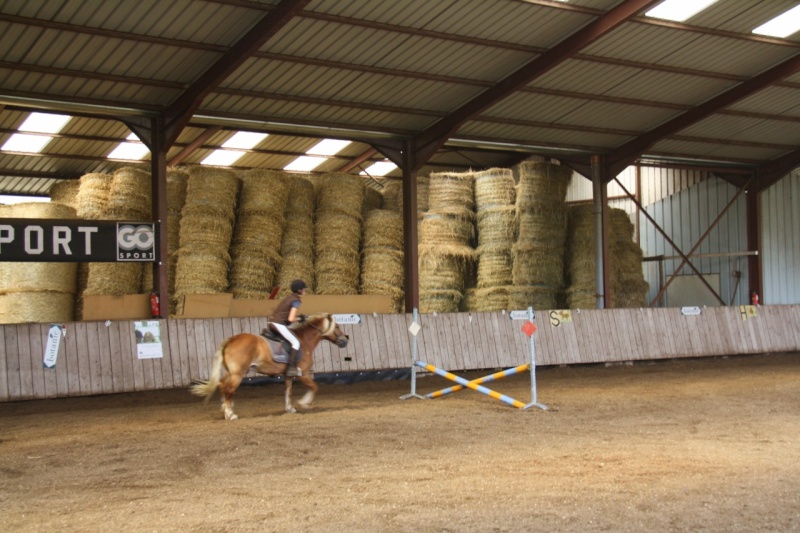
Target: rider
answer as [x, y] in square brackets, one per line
[288, 313]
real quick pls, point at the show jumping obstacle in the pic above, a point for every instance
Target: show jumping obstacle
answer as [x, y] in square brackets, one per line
[529, 328]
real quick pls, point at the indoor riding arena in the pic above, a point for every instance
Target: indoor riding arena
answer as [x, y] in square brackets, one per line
[407, 266]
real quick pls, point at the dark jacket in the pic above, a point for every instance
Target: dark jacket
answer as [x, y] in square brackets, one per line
[281, 313]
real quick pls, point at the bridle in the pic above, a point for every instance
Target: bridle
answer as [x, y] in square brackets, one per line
[329, 328]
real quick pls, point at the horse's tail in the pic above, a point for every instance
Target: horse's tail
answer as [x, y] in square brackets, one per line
[207, 388]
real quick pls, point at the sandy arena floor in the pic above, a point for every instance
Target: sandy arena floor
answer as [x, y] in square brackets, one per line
[701, 445]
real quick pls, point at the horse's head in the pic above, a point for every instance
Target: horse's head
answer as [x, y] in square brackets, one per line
[328, 329]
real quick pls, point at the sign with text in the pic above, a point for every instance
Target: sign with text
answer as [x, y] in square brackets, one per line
[76, 241]
[519, 315]
[347, 319]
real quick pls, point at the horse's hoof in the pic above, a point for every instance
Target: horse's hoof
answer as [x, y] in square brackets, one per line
[291, 411]
[232, 416]
[304, 406]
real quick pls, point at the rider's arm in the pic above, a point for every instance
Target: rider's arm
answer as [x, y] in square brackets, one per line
[294, 314]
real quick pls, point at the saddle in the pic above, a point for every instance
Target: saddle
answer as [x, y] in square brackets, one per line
[281, 348]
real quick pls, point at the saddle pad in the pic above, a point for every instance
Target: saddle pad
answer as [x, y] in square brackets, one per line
[279, 354]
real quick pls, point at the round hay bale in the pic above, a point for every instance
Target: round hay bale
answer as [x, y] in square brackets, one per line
[452, 193]
[302, 197]
[40, 210]
[130, 196]
[542, 183]
[337, 232]
[392, 195]
[496, 226]
[538, 265]
[39, 306]
[441, 272]
[341, 194]
[447, 234]
[382, 273]
[494, 187]
[372, 200]
[252, 272]
[114, 279]
[200, 272]
[423, 193]
[213, 191]
[65, 192]
[494, 298]
[204, 228]
[259, 229]
[470, 300]
[439, 301]
[538, 297]
[495, 268]
[264, 192]
[177, 182]
[383, 228]
[93, 195]
[296, 267]
[298, 237]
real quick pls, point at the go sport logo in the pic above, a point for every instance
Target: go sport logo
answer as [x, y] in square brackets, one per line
[136, 242]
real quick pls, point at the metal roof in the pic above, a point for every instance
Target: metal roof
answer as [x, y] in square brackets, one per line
[472, 83]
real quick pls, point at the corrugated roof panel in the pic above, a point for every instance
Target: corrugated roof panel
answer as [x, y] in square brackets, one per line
[740, 16]
[745, 128]
[774, 100]
[532, 135]
[667, 46]
[713, 152]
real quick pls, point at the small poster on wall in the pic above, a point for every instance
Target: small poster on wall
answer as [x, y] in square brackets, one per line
[148, 339]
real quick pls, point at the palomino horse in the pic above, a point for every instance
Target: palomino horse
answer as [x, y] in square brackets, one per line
[244, 351]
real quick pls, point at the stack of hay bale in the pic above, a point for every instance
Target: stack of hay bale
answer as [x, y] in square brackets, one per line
[205, 233]
[630, 288]
[129, 199]
[257, 237]
[38, 292]
[337, 234]
[538, 269]
[90, 203]
[372, 200]
[65, 192]
[393, 195]
[627, 280]
[494, 203]
[177, 180]
[446, 233]
[382, 264]
[297, 243]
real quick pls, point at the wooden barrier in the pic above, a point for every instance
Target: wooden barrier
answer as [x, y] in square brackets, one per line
[100, 357]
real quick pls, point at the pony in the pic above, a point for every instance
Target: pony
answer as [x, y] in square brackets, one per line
[245, 351]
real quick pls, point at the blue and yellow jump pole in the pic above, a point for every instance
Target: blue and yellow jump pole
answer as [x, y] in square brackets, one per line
[484, 379]
[472, 385]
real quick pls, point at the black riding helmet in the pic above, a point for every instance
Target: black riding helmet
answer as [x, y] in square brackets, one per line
[298, 285]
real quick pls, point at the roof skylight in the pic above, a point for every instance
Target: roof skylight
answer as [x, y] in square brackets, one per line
[781, 26]
[130, 151]
[35, 123]
[317, 154]
[243, 140]
[678, 10]
[380, 168]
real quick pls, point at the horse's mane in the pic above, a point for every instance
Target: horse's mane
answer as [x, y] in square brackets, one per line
[310, 319]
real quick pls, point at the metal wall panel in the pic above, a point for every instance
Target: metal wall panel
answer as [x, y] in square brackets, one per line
[780, 241]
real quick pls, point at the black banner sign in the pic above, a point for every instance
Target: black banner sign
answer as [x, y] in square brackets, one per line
[76, 241]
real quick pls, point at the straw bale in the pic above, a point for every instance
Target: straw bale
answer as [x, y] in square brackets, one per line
[259, 229]
[177, 182]
[536, 296]
[470, 300]
[496, 225]
[441, 272]
[438, 229]
[372, 200]
[334, 232]
[542, 183]
[495, 268]
[212, 190]
[264, 191]
[40, 210]
[439, 301]
[452, 193]
[342, 194]
[423, 193]
[200, 272]
[393, 195]
[65, 192]
[252, 272]
[199, 227]
[383, 228]
[130, 196]
[93, 195]
[39, 306]
[531, 225]
[538, 265]
[382, 272]
[298, 237]
[493, 298]
[302, 196]
[494, 187]
[114, 279]
[296, 266]
[337, 236]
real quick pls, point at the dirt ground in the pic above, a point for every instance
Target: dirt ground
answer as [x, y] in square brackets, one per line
[708, 444]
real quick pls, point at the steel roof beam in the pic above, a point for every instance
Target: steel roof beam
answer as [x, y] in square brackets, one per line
[630, 151]
[434, 137]
[178, 113]
[772, 172]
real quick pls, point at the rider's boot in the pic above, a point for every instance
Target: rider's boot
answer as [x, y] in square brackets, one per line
[291, 367]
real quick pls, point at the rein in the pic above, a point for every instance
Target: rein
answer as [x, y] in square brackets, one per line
[328, 329]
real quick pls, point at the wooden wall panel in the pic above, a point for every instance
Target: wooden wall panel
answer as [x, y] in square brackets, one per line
[96, 358]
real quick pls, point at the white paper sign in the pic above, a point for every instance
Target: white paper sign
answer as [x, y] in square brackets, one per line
[519, 315]
[51, 350]
[414, 328]
[347, 319]
[691, 311]
[148, 339]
